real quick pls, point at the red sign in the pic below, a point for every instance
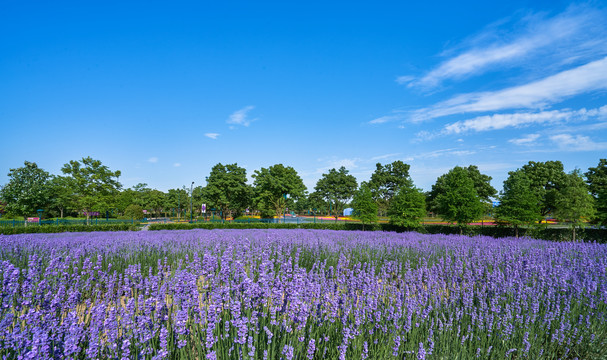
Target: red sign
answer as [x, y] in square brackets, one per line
[33, 219]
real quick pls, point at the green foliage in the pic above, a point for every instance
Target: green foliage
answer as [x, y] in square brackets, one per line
[547, 178]
[482, 185]
[386, 180]
[272, 184]
[519, 203]
[62, 196]
[458, 201]
[95, 185]
[408, 207]
[337, 187]
[365, 209]
[26, 191]
[596, 178]
[133, 211]
[573, 202]
[9, 230]
[227, 189]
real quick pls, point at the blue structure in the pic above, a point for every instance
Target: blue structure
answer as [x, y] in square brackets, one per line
[348, 211]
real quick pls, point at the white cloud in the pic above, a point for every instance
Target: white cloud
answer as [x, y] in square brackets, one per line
[385, 156]
[385, 119]
[213, 136]
[240, 117]
[501, 121]
[568, 142]
[574, 34]
[525, 140]
[177, 164]
[153, 160]
[534, 95]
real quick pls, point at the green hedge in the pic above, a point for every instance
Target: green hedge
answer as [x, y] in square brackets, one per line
[555, 234]
[8, 230]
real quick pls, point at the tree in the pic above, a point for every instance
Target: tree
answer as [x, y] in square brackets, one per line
[386, 180]
[336, 187]
[482, 185]
[547, 178]
[518, 202]
[459, 202]
[573, 202]
[408, 207]
[95, 185]
[26, 190]
[596, 177]
[133, 211]
[272, 184]
[61, 193]
[177, 198]
[227, 189]
[365, 208]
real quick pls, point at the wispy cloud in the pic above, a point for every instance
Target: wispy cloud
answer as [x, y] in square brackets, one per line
[153, 160]
[535, 95]
[385, 119]
[385, 156]
[525, 140]
[576, 33]
[177, 164]
[568, 142]
[240, 117]
[213, 136]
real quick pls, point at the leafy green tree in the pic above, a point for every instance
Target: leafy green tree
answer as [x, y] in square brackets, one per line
[573, 202]
[365, 208]
[227, 189]
[177, 200]
[317, 203]
[459, 202]
[156, 202]
[133, 211]
[336, 187]
[124, 199]
[95, 185]
[518, 202]
[61, 194]
[272, 184]
[26, 191]
[596, 177]
[386, 180]
[482, 185]
[547, 178]
[408, 207]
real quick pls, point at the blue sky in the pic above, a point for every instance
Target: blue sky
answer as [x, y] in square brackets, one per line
[164, 91]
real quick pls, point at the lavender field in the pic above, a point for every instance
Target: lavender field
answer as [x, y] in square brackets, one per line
[299, 294]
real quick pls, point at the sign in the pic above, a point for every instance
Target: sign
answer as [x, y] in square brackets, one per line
[33, 219]
[203, 208]
[92, 213]
[145, 211]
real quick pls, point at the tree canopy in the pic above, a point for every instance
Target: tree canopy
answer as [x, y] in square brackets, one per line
[481, 183]
[365, 208]
[518, 202]
[227, 189]
[547, 178]
[272, 184]
[27, 190]
[408, 207]
[336, 187]
[458, 201]
[386, 180]
[573, 202]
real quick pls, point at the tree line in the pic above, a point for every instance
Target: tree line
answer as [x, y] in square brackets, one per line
[462, 195]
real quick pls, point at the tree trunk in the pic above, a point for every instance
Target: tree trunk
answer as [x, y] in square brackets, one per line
[61, 212]
[516, 231]
[573, 239]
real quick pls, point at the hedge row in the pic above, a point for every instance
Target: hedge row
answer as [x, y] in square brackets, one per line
[8, 230]
[555, 234]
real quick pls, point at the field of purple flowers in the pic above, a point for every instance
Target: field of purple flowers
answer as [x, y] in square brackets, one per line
[299, 294]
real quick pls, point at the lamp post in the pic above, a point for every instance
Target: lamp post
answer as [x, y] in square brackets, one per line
[191, 189]
[284, 212]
